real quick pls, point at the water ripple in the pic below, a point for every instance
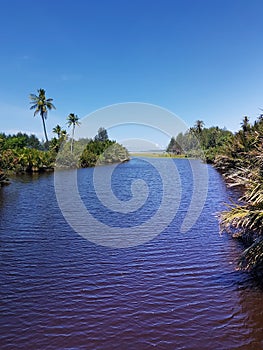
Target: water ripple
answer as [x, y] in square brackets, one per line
[179, 291]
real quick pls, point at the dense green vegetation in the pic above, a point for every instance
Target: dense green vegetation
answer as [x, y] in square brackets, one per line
[242, 165]
[200, 142]
[23, 153]
[91, 152]
[20, 160]
[19, 140]
[18, 155]
[103, 152]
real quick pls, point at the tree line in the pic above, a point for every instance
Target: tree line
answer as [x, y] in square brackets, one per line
[200, 142]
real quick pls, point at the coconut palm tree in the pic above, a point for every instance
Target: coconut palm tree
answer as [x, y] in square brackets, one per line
[245, 124]
[41, 105]
[57, 130]
[63, 135]
[199, 124]
[72, 120]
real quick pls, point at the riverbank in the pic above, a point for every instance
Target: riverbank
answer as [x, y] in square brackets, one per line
[3, 179]
[23, 154]
[241, 165]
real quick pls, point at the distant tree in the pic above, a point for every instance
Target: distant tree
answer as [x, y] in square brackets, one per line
[57, 130]
[84, 141]
[19, 140]
[102, 135]
[199, 124]
[41, 105]
[33, 142]
[56, 143]
[103, 152]
[245, 124]
[63, 134]
[174, 147]
[73, 120]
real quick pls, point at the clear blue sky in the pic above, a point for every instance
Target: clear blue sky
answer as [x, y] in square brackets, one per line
[201, 59]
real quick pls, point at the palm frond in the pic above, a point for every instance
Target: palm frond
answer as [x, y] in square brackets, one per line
[33, 97]
[36, 112]
[252, 257]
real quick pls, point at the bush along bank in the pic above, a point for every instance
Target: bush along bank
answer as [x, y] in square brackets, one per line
[242, 165]
[239, 158]
[62, 152]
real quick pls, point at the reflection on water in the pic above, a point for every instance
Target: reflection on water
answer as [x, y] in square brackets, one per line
[178, 291]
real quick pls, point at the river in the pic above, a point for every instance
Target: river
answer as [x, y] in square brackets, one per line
[176, 291]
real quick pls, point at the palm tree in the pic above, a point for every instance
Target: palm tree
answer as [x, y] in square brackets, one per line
[73, 120]
[57, 130]
[199, 124]
[245, 124]
[41, 105]
[63, 134]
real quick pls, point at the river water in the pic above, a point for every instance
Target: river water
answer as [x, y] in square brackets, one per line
[176, 291]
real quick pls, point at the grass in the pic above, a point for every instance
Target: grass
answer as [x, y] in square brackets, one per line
[157, 155]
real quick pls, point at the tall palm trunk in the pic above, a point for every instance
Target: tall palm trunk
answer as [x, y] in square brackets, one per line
[44, 127]
[72, 138]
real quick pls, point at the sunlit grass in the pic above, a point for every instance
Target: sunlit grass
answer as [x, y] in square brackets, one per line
[156, 155]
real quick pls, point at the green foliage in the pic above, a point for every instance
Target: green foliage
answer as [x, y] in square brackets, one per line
[98, 147]
[200, 142]
[252, 257]
[91, 152]
[66, 158]
[26, 160]
[103, 152]
[102, 135]
[17, 154]
[57, 130]
[19, 140]
[242, 165]
[199, 124]
[174, 147]
[72, 119]
[56, 142]
[88, 159]
[115, 153]
[23, 153]
[214, 138]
